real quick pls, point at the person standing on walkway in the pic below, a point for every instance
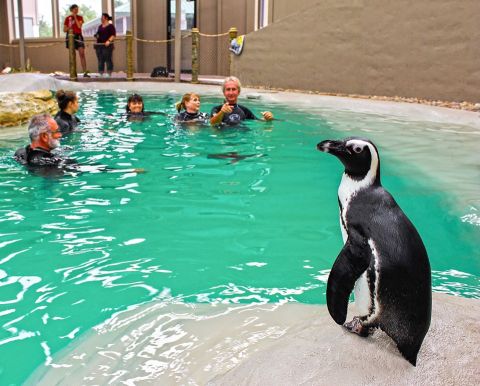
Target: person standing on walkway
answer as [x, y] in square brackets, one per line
[74, 21]
[104, 47]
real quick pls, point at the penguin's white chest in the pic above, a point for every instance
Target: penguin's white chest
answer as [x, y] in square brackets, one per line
[347, 190]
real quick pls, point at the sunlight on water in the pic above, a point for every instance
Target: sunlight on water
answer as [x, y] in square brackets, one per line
[237, 219]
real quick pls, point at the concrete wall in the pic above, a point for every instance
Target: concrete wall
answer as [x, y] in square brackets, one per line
[151, 16]
[5, 52]
[216, 17]
[279, 9]
[427, 49]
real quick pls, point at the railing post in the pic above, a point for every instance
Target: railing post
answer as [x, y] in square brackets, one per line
[195, 52]
[129, 37]
[233, 32]
[72, 56]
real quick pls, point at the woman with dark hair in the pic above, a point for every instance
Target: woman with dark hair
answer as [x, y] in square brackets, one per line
[135, 104]
[136, 109]
[74, 21]
[68, 104]
[104, 47]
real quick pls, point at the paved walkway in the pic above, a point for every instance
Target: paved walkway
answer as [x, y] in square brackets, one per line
[144, 77]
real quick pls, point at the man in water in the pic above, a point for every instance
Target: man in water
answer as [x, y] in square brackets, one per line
[38, 157]
[231, 113]
[44, 137]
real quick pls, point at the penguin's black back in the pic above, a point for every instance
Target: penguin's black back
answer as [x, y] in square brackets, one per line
[404, 283]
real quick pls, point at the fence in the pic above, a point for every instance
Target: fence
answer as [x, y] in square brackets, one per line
[207, 54]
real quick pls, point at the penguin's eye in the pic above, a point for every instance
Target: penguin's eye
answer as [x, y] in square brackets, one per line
[357, 149]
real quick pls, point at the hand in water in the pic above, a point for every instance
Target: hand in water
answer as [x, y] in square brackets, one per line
[267, 115]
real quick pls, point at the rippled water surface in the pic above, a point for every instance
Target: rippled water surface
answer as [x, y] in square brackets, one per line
[202, 227]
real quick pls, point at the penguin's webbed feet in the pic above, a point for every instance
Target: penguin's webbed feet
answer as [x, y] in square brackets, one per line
[356, 326]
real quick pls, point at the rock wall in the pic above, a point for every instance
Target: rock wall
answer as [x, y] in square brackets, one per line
[16, 108]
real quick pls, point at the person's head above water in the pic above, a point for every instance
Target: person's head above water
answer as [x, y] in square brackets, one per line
[43, 132]
[67, 101]
[190, 102]
[135, 104]
[231, 87]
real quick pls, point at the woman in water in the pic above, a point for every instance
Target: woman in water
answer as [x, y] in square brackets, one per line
[189, 109]
[136, 109]
[68, 104]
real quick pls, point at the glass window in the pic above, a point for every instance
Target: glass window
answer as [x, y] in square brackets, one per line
[90, 10]
[122, 20]
[187, 18]
[37, 18]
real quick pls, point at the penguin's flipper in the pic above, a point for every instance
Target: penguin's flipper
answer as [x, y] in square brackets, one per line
[353, 260]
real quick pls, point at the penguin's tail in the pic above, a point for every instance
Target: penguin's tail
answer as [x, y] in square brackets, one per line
[409, 352]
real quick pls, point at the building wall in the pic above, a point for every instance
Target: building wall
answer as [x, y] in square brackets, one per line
[428, 49]
[151, 16]
[217, 17]
[279, 9]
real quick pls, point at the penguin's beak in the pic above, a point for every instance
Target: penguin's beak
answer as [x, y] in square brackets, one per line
[332, 146]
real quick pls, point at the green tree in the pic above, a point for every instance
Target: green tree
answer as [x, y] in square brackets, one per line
[118, 3]
[45, 28]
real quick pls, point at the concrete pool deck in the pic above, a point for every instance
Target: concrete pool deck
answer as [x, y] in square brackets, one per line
[263, 344]
[32, 82]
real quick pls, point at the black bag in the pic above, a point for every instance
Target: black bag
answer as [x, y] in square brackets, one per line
[159, 72]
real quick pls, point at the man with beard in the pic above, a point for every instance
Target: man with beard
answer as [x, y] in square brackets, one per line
[44, 137]
[38, 157]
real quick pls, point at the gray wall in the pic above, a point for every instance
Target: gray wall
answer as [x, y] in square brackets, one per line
[427, 49]
[216, 17]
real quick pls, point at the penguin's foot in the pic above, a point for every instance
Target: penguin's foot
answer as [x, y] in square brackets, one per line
[356, 326]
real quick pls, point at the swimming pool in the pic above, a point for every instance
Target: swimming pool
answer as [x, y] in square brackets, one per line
[202, 227]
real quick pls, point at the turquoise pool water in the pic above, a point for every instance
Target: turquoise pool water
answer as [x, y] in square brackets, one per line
[201, 228]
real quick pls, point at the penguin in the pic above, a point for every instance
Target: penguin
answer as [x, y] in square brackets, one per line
[383, 256]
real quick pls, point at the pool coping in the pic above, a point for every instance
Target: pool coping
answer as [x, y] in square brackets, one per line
[32, 82]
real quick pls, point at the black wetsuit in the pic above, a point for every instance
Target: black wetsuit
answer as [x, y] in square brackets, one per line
[185, 116]
[44, 162]
[66, 122]
[139, 117]
[238, 114]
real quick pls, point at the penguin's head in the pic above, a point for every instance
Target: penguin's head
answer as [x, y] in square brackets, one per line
[358, 155]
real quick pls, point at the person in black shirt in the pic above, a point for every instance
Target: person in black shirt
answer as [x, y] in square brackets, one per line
[104, 47]
[68, 104]
[38, 157]
[44, 137]
[231, 113]
[190, 104]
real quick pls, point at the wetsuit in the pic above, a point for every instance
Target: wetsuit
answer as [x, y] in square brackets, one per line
[139, 117]
[185, 116]
[238, 114]
[66, 122]
[44, 162]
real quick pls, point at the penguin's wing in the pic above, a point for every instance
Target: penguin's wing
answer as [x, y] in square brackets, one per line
[353, 260]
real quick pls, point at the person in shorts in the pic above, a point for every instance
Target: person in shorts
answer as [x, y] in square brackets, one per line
[75, 22]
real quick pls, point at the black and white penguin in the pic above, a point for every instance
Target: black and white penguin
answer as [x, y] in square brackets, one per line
[383, 255]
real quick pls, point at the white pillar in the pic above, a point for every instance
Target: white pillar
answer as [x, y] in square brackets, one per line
[21, 40]
[178, 39]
